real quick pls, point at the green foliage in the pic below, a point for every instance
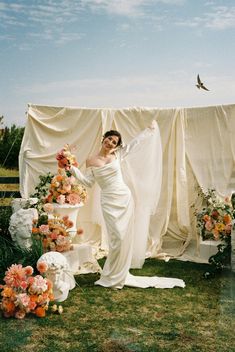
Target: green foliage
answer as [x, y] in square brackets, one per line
[222, 258]
[10, 146]
[10, 254]
[5, 214]
[41, 190]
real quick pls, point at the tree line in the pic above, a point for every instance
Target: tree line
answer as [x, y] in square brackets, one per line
[10, 142]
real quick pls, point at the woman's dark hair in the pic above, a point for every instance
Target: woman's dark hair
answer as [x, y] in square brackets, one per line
[113, 133]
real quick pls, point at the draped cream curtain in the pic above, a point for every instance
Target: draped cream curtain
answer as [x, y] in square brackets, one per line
[198, 148]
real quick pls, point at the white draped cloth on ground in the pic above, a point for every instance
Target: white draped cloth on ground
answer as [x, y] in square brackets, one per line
[198, 149]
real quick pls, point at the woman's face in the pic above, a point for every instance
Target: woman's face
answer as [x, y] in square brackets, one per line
[110, 142]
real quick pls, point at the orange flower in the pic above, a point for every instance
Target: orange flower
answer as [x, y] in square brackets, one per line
[40, 312]
[34, 230]
[227, 219]
[59, 178]
[42, 267]
[51, 297]
[7, 292]
[8, 306]
[49, 198]
[206, 218]
[33, 298]
[28, 270]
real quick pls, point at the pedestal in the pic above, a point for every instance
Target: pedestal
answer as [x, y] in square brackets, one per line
[71, 211]
[208, 248]
[81, 260]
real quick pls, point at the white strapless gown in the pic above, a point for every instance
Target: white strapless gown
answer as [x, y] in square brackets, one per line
[118, 211]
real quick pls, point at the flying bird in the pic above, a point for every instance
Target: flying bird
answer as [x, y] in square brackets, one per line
[200, 84]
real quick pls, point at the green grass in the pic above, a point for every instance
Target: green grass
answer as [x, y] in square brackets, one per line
[8, 172]
[8, 187]
[199, 317]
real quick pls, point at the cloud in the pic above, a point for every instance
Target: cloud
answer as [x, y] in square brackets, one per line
[220, 18]
[142, 90]
[223, 17]
[52, 21]
[47, 18]
[128, 8]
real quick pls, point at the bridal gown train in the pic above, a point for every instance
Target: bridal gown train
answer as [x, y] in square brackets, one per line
[118, 210]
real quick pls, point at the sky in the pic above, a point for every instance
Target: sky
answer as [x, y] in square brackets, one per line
[115, 54]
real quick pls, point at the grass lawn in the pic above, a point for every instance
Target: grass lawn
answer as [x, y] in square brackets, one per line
[8, 187]
[8, 172]
[199, 317]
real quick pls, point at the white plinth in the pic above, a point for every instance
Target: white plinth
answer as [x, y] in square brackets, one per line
[81, 260]
[208, 248]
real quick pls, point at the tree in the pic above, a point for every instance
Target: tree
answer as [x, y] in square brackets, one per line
[10, 146]
[1, 126]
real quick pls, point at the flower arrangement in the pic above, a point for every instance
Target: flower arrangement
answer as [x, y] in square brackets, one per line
[214, 221]
[66, 158]
[24, 293]
[65, 189]
[62, 188]
[54, 232]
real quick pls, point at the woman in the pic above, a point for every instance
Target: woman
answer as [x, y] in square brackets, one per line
[118, 210]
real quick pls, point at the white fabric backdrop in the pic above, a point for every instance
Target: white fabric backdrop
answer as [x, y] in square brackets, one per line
[198, 148]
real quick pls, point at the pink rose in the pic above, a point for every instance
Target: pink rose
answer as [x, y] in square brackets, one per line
[23, 285]
[208, 226]
[22, 300]
[60, 199]
[73, 199]
[44, 229]
[48, 208]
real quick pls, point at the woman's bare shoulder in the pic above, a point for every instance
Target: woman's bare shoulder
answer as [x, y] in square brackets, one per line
[91, 161]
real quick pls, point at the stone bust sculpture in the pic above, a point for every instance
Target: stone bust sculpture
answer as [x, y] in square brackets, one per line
[20, 227]
[57, 266]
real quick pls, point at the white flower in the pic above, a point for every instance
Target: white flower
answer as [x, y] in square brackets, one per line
[60, 309]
